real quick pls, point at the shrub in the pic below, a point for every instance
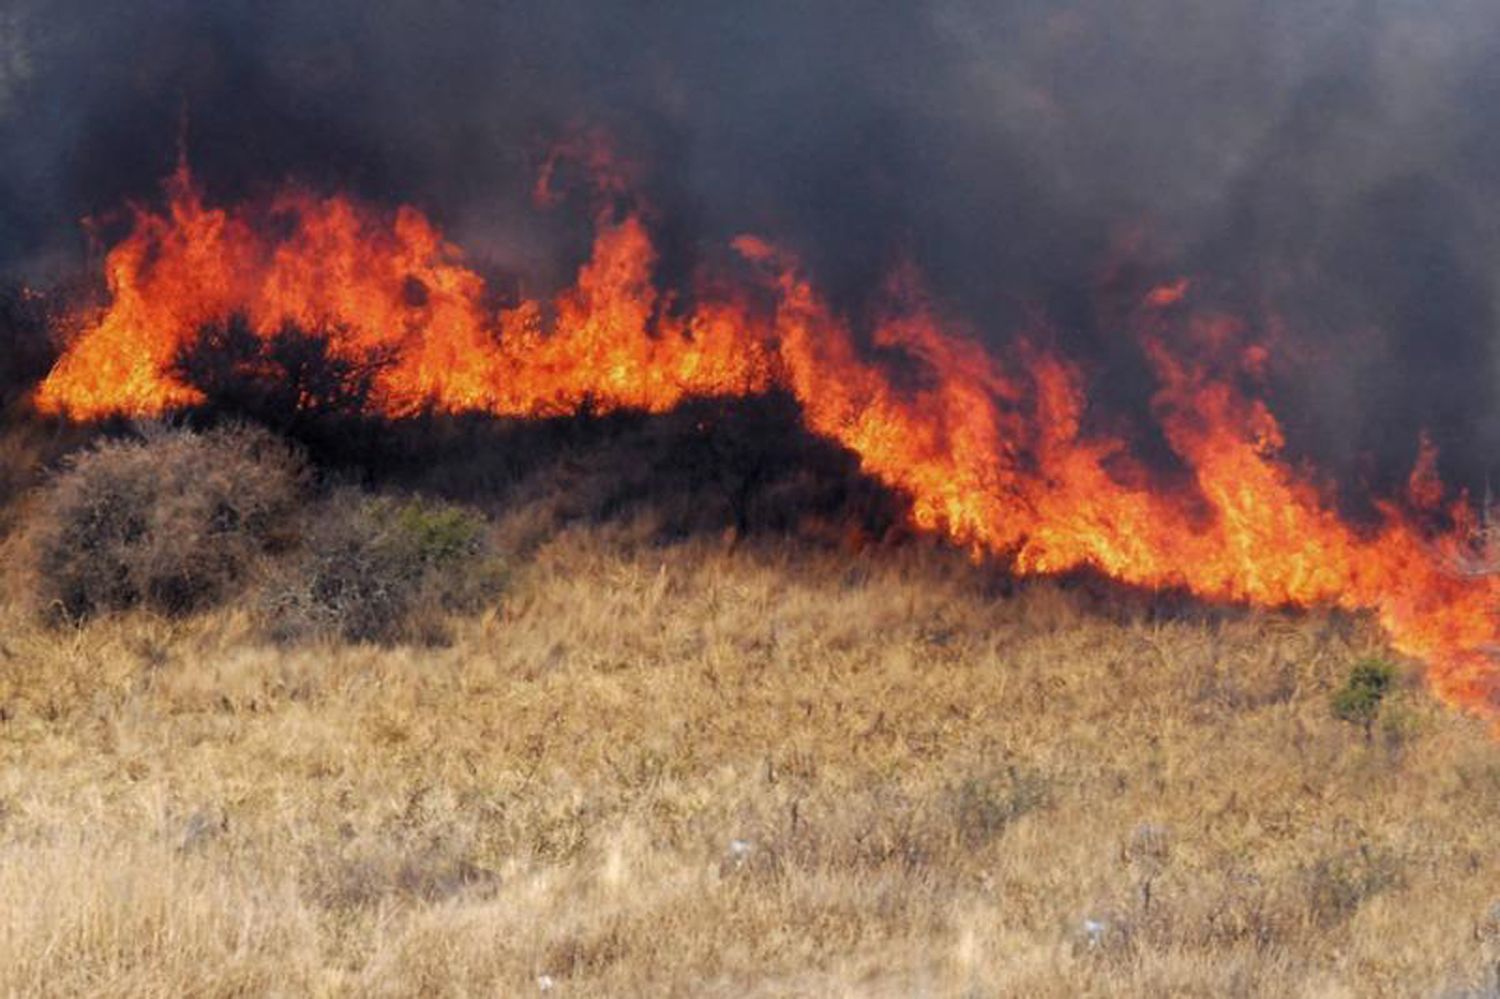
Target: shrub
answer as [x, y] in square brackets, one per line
[172, 521]
[289, 374]
[293, 381]
[1359, 699]
[378, 569]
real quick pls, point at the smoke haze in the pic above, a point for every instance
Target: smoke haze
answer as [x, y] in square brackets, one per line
[1324, 168]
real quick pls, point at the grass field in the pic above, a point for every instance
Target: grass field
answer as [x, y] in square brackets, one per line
[709, 766]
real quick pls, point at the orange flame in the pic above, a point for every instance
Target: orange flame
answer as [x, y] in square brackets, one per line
[991, 451]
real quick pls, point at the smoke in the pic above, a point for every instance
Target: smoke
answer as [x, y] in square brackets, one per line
[1325, 168]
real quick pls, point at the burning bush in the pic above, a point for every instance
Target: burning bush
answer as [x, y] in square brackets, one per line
[172, 521]
[291, 381]
[377, 569]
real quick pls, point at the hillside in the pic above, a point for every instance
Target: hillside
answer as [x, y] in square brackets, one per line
[582, 498]
[696, 765]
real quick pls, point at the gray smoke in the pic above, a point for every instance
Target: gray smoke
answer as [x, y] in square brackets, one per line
[1330, 162]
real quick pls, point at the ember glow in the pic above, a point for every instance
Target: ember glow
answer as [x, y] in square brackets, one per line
[990, 449]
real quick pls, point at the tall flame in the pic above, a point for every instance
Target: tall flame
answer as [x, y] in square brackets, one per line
[990, 450]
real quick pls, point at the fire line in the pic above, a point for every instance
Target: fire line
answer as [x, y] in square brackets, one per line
[989, 448]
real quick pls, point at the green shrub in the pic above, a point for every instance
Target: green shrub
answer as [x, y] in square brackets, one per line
[378, 569]
[433, 535]
[1358, 701]
[172, 520]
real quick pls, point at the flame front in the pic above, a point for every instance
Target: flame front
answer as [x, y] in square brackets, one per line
[990, 450]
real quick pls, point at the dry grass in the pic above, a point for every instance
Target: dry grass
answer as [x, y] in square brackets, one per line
[691, 770]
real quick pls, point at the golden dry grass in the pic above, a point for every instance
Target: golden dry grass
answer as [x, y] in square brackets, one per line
[700, 771]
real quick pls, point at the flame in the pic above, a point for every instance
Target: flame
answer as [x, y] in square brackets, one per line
[392, 285]
[990, 449]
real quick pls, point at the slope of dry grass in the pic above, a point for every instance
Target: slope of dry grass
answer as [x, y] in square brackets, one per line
[690, 770]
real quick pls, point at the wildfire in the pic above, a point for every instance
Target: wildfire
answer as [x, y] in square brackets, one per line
[990, 450]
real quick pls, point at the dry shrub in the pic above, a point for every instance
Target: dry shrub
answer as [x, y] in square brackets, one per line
[384, 570]
[172, 521]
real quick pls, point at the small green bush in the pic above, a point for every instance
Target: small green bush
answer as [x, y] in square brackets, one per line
[1359, 700]
[171, 520]
[434, 535]
[378, 569]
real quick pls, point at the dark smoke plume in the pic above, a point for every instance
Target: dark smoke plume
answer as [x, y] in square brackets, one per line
[1325, 168]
